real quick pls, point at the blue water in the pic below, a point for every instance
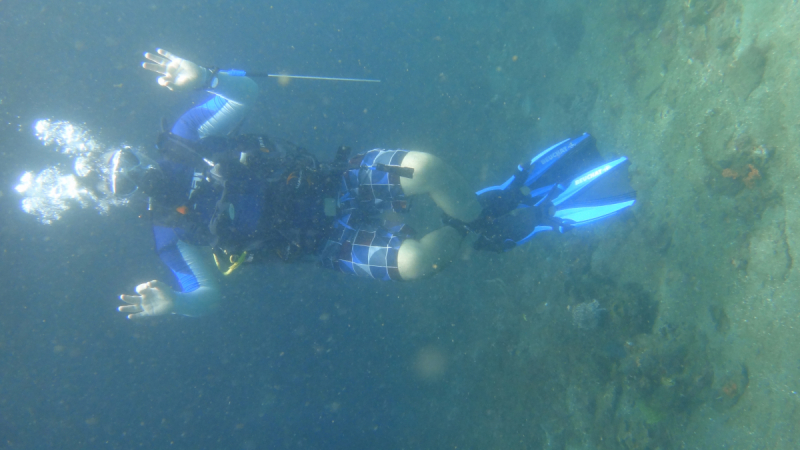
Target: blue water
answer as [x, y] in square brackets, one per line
[266, 373]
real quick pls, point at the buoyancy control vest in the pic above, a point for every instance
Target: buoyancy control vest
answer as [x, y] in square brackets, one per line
[252, 195]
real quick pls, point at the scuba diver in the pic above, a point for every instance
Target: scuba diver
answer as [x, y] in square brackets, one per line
[225, 199]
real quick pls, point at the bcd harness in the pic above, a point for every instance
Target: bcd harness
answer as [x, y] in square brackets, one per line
[264, 195]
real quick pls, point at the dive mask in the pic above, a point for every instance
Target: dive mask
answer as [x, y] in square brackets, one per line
[131, 171]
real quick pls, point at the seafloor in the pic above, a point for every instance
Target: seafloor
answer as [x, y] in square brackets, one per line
[699, 344]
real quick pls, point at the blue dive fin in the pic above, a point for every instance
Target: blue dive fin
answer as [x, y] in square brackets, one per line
[565, 186]
[531, 174]
[594, 195]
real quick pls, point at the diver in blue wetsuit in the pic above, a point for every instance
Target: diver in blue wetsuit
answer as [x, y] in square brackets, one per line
[224, 199]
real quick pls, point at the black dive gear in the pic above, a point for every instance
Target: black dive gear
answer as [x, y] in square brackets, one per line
[250, 193]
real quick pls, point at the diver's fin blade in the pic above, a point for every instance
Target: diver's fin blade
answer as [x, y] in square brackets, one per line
[562, 161]
[528, 173]
[606, 180]
[533, 180]
[596, 194]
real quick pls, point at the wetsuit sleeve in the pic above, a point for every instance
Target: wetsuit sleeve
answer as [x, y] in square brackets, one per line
[232, 95]
[198, 291]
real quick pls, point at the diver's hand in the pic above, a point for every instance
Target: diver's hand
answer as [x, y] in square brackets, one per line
[176, 73]
[155, 299]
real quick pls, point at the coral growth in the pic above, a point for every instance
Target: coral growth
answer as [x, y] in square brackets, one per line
[752, 176]
[587, 315]
[749, 180]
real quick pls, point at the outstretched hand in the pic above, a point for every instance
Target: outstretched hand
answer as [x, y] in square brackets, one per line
[176, 73]
[155, 299]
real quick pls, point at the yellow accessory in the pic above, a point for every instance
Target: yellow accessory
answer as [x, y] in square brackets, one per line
[235, 263]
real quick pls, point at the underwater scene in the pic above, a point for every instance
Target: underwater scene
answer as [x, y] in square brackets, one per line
[671, 322]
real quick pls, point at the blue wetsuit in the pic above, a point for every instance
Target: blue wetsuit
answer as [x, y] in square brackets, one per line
[196, 285]
[355, 241]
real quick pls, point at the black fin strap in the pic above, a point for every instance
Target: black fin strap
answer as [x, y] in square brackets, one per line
[459, 225]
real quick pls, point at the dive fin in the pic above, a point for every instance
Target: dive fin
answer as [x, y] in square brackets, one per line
[601, 192]
[539, 198]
